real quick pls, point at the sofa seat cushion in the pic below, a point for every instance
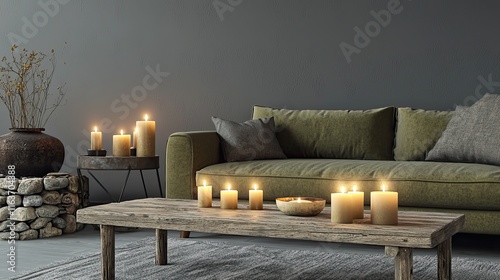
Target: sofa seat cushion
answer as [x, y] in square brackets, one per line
[419, 183]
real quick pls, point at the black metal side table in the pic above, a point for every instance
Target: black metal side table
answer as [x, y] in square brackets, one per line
[119, 163]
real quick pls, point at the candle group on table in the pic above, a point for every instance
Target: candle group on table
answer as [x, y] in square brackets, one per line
[229, 197]
[143, 144]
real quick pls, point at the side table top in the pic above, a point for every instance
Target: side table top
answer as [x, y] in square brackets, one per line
[415, 229]
[117, 163]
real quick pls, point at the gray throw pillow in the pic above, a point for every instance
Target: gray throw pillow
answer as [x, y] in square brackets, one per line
[472, 135]
[251, 140]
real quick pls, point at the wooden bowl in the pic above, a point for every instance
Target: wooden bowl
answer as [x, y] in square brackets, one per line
[306, 206]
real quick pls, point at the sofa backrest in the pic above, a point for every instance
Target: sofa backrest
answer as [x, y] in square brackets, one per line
[343, 134]
[417, 132]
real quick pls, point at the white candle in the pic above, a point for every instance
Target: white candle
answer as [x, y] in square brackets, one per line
[134, 138]
[229, 198]
[204, 196]
[342, 211]
[384, 207]
[358, 203]
[145, 138]
[256, 198]
[121, 145]
[96, 139]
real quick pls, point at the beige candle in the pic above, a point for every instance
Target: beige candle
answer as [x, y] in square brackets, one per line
[121, 145]
[342, 210]
[384, 207]
[204, 196]
[256, 198]
[229, 198]
[145, 138]
[358, 203]
[96, 139]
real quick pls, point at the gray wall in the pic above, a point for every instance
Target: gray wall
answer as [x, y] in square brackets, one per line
[286, 54]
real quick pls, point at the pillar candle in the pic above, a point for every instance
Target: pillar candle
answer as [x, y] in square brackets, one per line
[229, 199]
[256, 198]
[384, 207]
[342, 209]
[204, 196]
[358, 203]
[145, 138]
[121, 145]
[96, 140]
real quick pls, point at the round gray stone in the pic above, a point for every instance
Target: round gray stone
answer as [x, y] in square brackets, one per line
[59, 222]
[47, 211]
[6, 235]
[23, 214]
[4, 213]
[55, 183]
[18, 200]
[39, 223]
[9, 184]
[22, 226]
[4, 226]
[29, 234]
[32, 200]
[30, 186]
[50, 231]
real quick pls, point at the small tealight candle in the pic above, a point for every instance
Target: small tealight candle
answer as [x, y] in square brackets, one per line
[256, 198]
[342, 210]
[121, 145]
[229, 198]
[299, 200]
[96, 139]
[384, 207]
[204, 196]
[358, 203]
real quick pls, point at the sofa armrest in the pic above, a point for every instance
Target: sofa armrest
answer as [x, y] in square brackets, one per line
[186, 153]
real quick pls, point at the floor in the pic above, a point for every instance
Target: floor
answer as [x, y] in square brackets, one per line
[34, 253]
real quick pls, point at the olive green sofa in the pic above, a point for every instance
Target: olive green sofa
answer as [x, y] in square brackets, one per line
[327, 149]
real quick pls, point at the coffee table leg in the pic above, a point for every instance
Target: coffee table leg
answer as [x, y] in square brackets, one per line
[161, 247]
[108, 252]
[444, 260]
[403, 262]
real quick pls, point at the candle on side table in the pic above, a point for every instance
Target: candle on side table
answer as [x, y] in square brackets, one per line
[121, 145]
[342, 210]
[96, 139]
[256, 198]
[145, 138]
[204, 196]
[384, 207]
[358, 203]
[229, 198]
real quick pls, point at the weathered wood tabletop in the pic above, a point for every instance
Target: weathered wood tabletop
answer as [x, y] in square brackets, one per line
[414, 229]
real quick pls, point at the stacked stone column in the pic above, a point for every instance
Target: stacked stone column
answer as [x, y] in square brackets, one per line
[41, 207]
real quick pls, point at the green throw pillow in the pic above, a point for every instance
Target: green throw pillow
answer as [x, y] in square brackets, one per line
[472, 135]
[344, 134]
[417, 131]
[251, 140]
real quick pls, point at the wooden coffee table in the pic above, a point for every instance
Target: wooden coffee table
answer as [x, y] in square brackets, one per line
[415, 229]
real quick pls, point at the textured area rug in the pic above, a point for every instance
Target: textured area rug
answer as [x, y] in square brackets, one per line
[190, 259]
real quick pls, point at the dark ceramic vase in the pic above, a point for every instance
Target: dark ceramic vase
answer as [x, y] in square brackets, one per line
[32, 152]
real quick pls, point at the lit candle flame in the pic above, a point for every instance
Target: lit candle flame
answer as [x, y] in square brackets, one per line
[342, 189]
[298, 200]
[354, 188]
[228, 187]
[135, 129]
[121, 132]
[95, 128]
[204, 183]
[255, 186]
[146, 117]
[383, 188]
